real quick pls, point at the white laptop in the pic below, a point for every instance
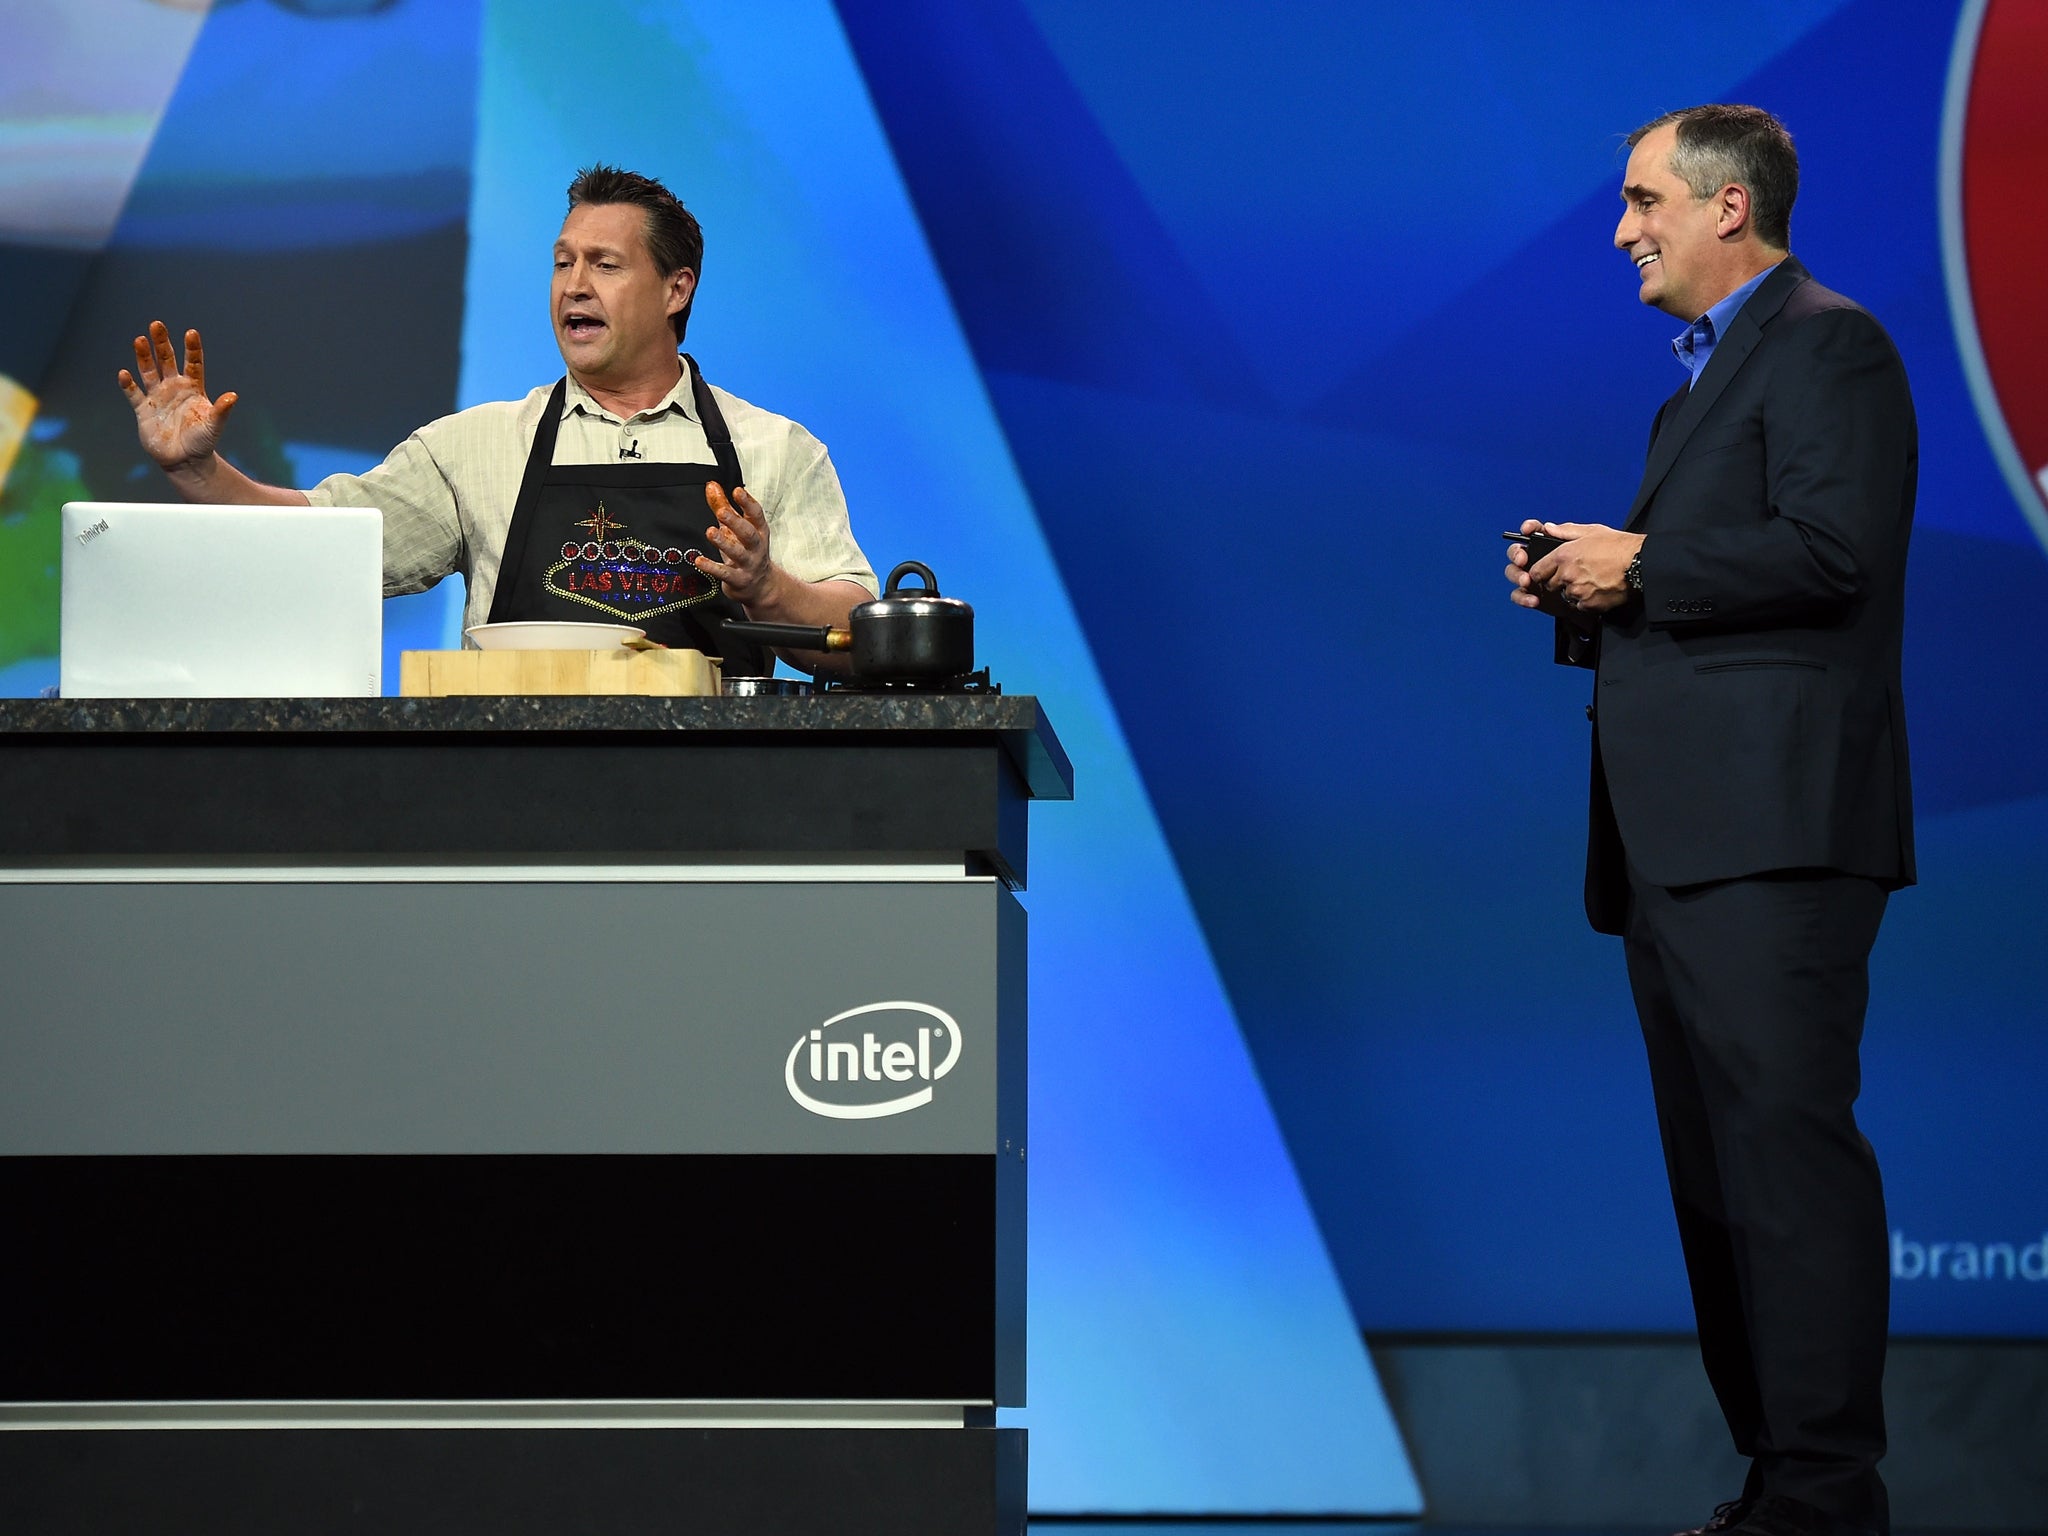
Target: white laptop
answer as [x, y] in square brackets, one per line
[220, 602]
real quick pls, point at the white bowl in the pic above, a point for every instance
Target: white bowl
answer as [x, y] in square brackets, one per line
[547, 635]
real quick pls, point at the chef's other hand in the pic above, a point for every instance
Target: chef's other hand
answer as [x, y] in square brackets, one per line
[177, 423]
[740, 536]
[1589, 572]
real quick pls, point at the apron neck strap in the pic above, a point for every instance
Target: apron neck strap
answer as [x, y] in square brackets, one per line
[712, 419]
[542, 454]
[538, 462]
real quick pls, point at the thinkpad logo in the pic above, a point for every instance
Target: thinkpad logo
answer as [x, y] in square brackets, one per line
[886, 1064]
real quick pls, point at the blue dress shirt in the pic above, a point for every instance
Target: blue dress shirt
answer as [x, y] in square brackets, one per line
[1697, 344]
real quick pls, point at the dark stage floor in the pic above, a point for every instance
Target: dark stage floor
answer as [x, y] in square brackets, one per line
[1059, 1526]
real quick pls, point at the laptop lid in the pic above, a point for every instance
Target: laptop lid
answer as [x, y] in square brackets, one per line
[220, 602]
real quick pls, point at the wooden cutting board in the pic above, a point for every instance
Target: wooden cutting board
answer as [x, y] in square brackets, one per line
[667, 674]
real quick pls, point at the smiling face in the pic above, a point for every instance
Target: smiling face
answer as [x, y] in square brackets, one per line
[1680, 244]
[610, 305]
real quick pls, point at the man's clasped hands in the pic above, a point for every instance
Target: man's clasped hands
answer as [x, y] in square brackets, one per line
[1587, 574]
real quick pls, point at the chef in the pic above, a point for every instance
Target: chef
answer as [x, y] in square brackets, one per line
[588, 499]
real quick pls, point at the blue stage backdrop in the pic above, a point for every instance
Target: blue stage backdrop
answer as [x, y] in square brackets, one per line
[1206, 348]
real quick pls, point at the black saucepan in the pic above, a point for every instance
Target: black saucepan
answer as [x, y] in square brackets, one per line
[907, 635]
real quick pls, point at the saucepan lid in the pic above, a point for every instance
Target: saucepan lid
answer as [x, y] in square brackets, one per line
[898, 601]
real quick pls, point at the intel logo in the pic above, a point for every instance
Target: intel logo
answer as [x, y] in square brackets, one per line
[839, 1076]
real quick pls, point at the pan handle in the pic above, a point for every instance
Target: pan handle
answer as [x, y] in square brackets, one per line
[796, 637]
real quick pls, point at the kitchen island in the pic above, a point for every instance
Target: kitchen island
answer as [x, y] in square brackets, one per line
[567, 1110]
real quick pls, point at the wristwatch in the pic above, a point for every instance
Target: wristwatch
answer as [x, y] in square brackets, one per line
[1634, 574]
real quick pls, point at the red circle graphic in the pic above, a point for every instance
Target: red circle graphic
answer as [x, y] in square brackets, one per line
[1996, 164]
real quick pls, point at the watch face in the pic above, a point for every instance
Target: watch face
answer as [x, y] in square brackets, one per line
[1994, 182]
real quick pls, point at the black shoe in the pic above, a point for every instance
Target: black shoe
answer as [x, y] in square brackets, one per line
[1725, 1517]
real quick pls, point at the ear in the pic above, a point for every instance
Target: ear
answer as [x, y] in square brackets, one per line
[1731, 212]
[681, 286]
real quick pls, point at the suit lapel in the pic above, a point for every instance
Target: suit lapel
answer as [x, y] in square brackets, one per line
[1668, 411]
[1730, 352]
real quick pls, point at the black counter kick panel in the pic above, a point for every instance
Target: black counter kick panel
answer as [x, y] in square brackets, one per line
[453, 797]
[610, 1277]
[520, 1482]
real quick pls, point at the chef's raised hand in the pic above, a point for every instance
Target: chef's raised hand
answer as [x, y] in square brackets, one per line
[740, 536]
[180, 428]
[177, 423]
[1588, 573]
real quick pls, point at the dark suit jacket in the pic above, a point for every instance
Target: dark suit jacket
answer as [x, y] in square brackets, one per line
[1747, 709]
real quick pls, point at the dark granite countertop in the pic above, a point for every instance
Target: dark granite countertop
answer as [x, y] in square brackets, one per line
[1015, 719]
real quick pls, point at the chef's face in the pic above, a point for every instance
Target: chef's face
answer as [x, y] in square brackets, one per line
[1673, 238]
[611, 306]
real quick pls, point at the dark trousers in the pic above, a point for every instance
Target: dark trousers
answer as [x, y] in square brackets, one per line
[1751, 994]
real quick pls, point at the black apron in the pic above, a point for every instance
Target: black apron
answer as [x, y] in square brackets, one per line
[614, 543]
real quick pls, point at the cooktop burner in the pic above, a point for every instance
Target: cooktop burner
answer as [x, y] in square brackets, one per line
[966, 682]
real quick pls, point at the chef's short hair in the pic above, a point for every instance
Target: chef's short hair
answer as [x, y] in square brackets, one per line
[673, 238]
[1722, 143]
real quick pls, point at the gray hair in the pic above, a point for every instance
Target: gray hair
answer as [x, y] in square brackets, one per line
[1747, 146]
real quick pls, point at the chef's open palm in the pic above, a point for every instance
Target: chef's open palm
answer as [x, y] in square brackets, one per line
[175, 420]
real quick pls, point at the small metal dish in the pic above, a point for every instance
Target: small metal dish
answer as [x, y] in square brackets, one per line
[766, 687]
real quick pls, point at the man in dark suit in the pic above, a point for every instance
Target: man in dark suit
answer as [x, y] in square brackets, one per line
[1750, 805]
